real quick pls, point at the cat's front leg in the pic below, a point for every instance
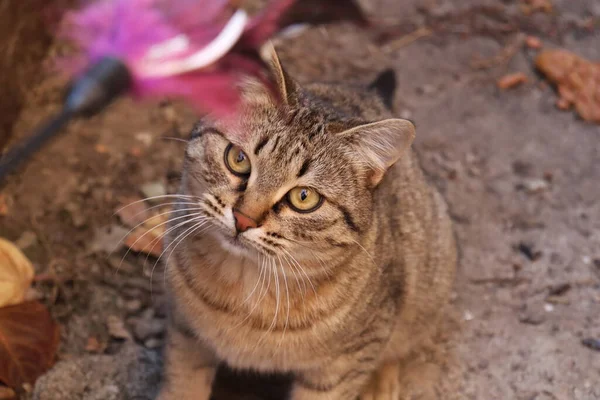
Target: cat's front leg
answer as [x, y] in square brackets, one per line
[189, 369]
[343, 380]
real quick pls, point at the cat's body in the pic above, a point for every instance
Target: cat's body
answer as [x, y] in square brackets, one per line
[340, 292]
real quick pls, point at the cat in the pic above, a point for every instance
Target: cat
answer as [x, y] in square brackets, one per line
[306, 240]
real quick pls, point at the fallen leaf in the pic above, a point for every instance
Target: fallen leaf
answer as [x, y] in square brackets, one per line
[158, 219]
[533, 42]
[16, 274]
[532, 6]
[132, 211]
[144, 240]
[7, 393]
[511, 80]
[577, 79]
[28, 343]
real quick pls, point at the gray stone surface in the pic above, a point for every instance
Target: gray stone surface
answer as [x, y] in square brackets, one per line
[133, 373]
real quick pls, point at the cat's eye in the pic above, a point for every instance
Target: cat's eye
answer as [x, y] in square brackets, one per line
[237, 161]
[303, 199]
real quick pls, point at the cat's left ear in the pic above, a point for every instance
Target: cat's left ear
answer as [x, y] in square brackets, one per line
[287, 88]
[381, 144]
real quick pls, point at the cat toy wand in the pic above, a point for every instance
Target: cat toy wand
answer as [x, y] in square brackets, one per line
[190, 49]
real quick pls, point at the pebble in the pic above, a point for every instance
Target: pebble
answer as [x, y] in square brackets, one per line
[26, 240]
[152, 190]
[145, 329]
[116, 328]
[533, 186]
[153, 343]
[532, 318]
[587, 260]
[468, 316]
[591, 343]
[133, 306]
[548, 307]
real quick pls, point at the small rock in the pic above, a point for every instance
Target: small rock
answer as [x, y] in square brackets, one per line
[557, 300]
[511, 80]
[120, 265]
[587, 260]
[145, 138]
[153, 343]
[559, 290]
[148, 313]
[548, 307]
[153, 191]
[78, 217]
[108, 239]
[140, 283]
[591, 343]
[133, 306]
[527, 250]
[534, 186]
[145, 329]
[26, 240]
[132, 373]
[521, 168]
[532, 318]
[426, 89]
[533, 42]
[116, 328]
[160, 306]
[468, 316]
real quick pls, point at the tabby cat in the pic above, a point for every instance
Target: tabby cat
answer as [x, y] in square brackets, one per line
[306, 240]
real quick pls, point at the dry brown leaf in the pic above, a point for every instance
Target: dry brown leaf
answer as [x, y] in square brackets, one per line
[7, 393]
[132, 211]
[28, 343]
[157, 219]
[577, 79]
[511, 80]
[16, 274]
[147, 241]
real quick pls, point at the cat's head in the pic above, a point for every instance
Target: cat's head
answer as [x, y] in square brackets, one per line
[294, 179]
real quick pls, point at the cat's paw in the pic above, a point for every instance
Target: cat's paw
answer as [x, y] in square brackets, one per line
[385, 384]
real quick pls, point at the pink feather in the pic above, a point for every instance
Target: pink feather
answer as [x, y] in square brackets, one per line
[133, 31]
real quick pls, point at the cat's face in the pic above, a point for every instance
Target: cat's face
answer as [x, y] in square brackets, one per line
[278, 187]
[283, 182]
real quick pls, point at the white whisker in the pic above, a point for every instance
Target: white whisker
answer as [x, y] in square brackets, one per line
[164, 196]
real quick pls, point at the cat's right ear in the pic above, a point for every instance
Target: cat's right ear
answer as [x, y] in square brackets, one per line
[287, 88]
[380, 144]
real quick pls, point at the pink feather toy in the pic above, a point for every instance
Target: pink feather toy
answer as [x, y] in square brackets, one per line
[196, 50]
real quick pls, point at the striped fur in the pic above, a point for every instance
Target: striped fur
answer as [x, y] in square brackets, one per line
[336, 296]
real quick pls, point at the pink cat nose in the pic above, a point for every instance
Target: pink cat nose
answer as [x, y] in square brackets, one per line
[243, 222]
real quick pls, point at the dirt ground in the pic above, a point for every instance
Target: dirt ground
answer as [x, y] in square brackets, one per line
[522, 179]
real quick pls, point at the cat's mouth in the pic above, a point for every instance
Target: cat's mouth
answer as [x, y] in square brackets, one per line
[234, 244]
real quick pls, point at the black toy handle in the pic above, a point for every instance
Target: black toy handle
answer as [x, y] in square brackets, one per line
[91, 93]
